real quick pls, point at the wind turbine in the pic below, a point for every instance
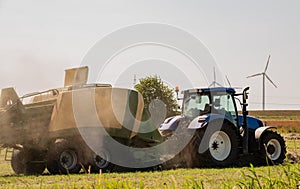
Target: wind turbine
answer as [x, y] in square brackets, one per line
[214, 83]
[228, 81]
[264, 75]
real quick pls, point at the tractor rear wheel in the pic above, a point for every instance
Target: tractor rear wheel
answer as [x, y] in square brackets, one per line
[219, 148]
[64, 158]
[272, 148]
[22, 162]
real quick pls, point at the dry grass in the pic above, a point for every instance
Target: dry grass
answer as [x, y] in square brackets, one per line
[286, 126]
[287, 121]
[276, 114]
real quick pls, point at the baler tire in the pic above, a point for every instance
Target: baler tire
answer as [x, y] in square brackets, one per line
[35, 168]
[60, 154]
[21, 163]
[99, 163]
[52, 167]
[271, 139]
[226, 137]
[18, 162]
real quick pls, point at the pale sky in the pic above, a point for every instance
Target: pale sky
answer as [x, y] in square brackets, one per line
[40, 39]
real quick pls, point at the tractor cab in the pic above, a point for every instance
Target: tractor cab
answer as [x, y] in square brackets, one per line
[215, 101]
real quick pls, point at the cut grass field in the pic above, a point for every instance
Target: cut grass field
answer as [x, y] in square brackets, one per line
[282, 176]
[286, 176]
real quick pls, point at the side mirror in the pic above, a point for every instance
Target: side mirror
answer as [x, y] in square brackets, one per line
[245, 94]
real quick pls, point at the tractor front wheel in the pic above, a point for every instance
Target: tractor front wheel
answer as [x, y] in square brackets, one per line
[272, 148]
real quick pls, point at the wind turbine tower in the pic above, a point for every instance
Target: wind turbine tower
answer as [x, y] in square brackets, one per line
[134, 80]
[265, 76]
[215, 83]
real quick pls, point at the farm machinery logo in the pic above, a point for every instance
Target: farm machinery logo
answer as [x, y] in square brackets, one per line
[100, 59]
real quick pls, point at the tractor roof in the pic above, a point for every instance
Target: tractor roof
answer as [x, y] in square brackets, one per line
[213, 89]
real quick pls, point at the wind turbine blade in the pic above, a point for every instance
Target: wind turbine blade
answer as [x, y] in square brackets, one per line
[228, 81]
[270, 80]
[255, 75]
[218, 84]
[267, 64]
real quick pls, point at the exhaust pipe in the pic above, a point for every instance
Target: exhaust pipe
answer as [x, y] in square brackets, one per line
[245, 123]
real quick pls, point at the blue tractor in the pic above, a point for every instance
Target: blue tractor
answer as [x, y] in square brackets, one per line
[221, 136]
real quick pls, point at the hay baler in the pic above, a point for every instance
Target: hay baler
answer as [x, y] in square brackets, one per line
[44, 131]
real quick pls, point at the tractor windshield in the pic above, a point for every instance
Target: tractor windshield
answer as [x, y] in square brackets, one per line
[195, 105]
[217, 103]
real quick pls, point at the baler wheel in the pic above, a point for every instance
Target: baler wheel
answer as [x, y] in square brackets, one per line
[21, 163]
[64, 158]
[101, 162]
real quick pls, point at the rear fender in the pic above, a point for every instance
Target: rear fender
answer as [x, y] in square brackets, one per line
[260, 131]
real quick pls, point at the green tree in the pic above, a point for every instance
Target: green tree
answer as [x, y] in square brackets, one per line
[153, 88]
